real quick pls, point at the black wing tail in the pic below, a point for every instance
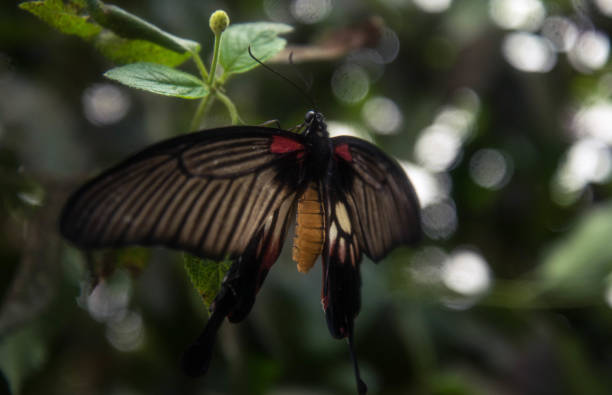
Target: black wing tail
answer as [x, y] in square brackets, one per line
[341, 296]
[341, 303]
[362, 388]
[341, 278]
[342, 285]
[240, 286]
[196, 359]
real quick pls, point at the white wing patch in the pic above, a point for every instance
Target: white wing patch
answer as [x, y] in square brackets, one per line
[343, 218]
[342, 243]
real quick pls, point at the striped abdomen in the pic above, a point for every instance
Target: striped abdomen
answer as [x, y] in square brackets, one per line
[309, 230]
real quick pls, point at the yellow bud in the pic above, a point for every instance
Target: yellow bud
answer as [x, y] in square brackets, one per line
[219, 21]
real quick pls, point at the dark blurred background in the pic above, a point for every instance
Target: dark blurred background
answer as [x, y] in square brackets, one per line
[499, 110]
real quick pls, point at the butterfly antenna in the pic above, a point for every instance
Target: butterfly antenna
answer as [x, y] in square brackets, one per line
[307, 82]
[296, 86]
[362, 388]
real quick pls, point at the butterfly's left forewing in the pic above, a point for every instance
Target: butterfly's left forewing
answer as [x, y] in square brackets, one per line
[208, 193]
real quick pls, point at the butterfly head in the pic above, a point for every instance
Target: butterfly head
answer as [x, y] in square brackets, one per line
[315, 123]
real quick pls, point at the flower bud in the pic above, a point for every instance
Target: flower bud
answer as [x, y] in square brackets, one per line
[219, 21]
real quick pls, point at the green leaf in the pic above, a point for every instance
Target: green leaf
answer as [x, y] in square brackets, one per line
[124, 51]
[578, 264]
[206, 275]
[148, 44]
[63, 17]
[22, 353]
[128, 25]
[159, 79]
[263, 39]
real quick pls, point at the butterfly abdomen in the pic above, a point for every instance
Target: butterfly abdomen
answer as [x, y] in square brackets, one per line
[309, 229]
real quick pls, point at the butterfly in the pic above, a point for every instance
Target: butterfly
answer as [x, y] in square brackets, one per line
[232, 192]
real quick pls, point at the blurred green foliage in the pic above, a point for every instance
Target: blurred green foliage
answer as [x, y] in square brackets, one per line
[542, 326]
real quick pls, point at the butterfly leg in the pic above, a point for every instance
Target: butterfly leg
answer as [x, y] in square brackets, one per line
[273, 122]
[299, 128]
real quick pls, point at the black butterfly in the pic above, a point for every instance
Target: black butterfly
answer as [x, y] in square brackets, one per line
[233, 191]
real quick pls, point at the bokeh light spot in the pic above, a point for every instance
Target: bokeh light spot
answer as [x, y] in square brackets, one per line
[109, 299]
[517, 14]
[429, 187]
[350, 83]
[594, 121]
[490, 168]
[588, 160]
[388, 45]
[105, 104]
[277, 10]
[561, 32]
[433, 5]
[310, 11]
[466, 272]
[605, 6]
[529, 52]
[32, 198]
[426, 265]
[336, 129]
[590, 52]
[437, 147]
[370, 60]
[127, 333]
[382, 115]
[457, 119]
[439, 219]
[608, 294]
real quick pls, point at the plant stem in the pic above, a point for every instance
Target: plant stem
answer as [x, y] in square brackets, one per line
[231, 108]
[200, 64]
[199, 114]
[215, 59]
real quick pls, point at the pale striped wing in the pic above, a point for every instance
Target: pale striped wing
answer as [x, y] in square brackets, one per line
[380, 201]
[208, 193]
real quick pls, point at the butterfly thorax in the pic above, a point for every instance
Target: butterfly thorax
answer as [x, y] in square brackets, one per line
[319, 145]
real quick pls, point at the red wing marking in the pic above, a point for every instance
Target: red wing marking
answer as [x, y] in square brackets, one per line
[342, 151]
[283, 145]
